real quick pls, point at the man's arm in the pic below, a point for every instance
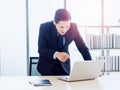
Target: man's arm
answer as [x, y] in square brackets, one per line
[81, 45]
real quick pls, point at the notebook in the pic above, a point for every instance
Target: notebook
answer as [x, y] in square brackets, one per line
[85, 70]
[44, 82]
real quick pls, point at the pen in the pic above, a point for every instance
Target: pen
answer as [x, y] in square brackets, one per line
[30, 83]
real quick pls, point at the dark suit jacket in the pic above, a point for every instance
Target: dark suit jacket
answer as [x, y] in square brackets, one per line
[47, 46]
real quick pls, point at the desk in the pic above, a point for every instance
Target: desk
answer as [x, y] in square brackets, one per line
[106, 82]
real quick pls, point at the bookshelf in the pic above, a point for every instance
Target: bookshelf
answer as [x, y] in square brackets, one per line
[107, 41]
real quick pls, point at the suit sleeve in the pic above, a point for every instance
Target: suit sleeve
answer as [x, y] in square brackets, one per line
[43, 49]
[80, 44]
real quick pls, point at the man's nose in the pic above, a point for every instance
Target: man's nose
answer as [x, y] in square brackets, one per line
[65, 29]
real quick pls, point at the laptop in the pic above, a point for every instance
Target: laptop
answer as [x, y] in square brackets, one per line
[85, 70]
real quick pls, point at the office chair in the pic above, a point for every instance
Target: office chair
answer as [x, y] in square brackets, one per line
[33, 66]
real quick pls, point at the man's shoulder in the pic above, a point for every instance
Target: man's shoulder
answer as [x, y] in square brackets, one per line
[47, 23]
[73, 24]
[46, 26]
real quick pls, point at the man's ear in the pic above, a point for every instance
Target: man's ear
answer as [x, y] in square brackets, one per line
[54, 22]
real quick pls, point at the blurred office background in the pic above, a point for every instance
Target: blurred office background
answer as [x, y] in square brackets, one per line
[20, 21]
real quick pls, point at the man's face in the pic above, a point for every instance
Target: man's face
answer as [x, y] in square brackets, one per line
[62, 27]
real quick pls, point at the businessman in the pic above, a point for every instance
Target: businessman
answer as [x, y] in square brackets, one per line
[53, 42]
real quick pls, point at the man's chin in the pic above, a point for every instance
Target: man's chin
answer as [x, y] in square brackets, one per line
[62, 34]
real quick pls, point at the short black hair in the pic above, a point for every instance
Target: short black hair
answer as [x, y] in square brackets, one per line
[62, 15]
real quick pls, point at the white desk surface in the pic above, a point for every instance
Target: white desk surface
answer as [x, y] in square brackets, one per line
[106, 82]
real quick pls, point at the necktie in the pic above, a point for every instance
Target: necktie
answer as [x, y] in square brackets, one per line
[60, 42]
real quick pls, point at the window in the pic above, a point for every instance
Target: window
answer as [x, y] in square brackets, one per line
[40, 11]
[85, 12]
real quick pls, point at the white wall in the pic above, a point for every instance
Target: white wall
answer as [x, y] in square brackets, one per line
[13, 37]
[0, 56]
